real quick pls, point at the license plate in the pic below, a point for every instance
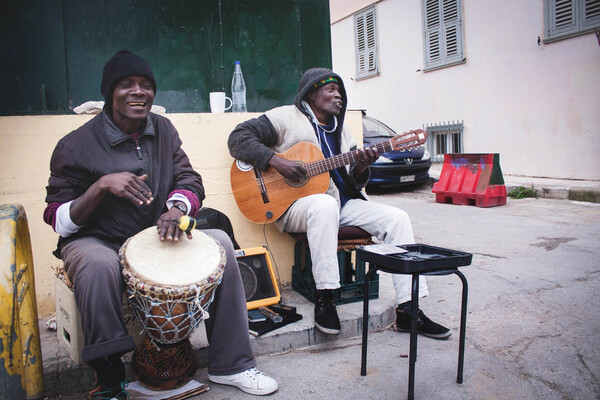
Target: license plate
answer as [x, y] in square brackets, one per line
[407, 178]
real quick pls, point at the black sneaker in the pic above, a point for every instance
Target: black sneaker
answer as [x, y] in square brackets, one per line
[326, 318]
[425, 326]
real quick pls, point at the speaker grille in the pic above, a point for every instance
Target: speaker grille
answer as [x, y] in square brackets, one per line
[249, 279]
[257, 277]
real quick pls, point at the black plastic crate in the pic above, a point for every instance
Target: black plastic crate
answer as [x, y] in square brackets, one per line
[352, 276]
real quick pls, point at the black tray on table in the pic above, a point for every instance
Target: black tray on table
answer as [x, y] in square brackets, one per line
[413, 258]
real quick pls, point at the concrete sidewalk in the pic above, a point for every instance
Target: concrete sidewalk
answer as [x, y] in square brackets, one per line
[532, 331]
[63, 376]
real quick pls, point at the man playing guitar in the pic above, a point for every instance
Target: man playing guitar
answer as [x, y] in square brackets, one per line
[317, 117]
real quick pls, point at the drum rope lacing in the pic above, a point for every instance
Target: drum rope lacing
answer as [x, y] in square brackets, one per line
[174, 326]
[171, 313]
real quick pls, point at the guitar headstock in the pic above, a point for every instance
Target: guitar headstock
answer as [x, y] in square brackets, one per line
[407, 140]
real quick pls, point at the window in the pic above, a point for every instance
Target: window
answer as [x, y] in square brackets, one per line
[444, 138]
[443, 33]
[565, 18]
[365, 28]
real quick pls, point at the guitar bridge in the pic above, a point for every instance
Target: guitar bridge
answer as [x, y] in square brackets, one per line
[261, 186]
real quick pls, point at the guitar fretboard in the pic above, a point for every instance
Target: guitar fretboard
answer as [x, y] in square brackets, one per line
[327, 164]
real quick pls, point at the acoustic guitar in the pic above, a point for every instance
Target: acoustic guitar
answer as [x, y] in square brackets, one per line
[264, 196]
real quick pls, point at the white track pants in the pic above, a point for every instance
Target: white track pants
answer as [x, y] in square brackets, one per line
[320, 217]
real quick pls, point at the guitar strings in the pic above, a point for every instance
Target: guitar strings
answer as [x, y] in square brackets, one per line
[321, 166]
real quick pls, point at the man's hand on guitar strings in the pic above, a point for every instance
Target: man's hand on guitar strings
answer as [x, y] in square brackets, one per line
[289, 169]
[365, 157]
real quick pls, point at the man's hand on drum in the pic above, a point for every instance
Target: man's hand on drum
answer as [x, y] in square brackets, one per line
[128, 186]
[168, 225]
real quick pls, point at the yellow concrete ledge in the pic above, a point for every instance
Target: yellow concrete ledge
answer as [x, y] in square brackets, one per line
[26, 146]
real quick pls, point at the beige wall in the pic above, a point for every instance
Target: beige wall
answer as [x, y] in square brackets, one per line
[535, 105]
[26, 146]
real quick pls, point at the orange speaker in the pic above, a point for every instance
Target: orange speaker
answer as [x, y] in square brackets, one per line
[260, 284]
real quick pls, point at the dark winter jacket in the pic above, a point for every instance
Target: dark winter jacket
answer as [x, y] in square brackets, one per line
[99, 148]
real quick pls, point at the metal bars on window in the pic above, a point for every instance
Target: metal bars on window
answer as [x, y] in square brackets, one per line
[365, 35]
[443, 33]
[444, 138]
[566, 18]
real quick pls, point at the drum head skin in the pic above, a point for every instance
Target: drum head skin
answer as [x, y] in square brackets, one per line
[172, 263]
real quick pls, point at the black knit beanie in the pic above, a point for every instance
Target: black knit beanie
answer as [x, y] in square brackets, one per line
[121, 65]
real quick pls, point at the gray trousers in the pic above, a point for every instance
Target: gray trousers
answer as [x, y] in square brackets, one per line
[93, 266]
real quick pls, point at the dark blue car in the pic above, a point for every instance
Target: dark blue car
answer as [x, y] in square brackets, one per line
[394, 168]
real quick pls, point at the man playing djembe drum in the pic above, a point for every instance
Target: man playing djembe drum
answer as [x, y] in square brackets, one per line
[122, 172]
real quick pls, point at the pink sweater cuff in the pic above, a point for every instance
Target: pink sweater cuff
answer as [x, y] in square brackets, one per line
[193, 199]
[50, 214]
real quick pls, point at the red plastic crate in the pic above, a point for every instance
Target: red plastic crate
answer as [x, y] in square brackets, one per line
[471, 179]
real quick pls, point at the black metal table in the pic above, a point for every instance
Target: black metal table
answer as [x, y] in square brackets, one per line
[415, 260]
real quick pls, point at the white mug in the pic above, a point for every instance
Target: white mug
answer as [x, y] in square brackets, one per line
[217, 102]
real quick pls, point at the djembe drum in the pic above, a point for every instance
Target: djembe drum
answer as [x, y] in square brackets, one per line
[170, 285]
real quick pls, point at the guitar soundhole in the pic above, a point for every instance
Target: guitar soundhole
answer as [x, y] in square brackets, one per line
[301, 183]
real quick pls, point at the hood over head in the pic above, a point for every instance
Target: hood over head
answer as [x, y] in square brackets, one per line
[315, 75]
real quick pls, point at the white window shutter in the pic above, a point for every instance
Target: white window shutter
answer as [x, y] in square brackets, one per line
[443, 44]
[562, 17]
[591, 14]
[452, 31]
[365, 24]
[433, 33]
[565, 18]
[371, 41]
[360, 43]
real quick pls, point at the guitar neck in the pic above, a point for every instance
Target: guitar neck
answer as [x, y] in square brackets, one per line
[327, 164]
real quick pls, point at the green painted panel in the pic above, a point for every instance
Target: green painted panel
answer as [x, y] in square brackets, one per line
[180, 40]
[264, 37]
[36, 62]
[8, 55]
[62, 47]
[315, 34]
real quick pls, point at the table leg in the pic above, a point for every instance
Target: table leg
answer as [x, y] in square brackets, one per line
[365, 321]
[414, 311]
[463, 327]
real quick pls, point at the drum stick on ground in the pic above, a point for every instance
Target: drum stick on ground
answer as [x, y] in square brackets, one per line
[187, 223]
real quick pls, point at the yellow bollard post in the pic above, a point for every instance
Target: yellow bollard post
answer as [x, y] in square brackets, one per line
[21, 366]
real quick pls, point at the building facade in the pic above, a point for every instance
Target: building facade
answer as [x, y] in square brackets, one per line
[518, 78]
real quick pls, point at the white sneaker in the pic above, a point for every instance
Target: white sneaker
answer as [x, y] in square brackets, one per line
[250, 381]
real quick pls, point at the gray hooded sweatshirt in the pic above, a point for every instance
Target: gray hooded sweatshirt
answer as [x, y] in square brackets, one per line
[257, 140]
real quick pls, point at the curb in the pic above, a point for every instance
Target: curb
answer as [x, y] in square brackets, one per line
[586, 194]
